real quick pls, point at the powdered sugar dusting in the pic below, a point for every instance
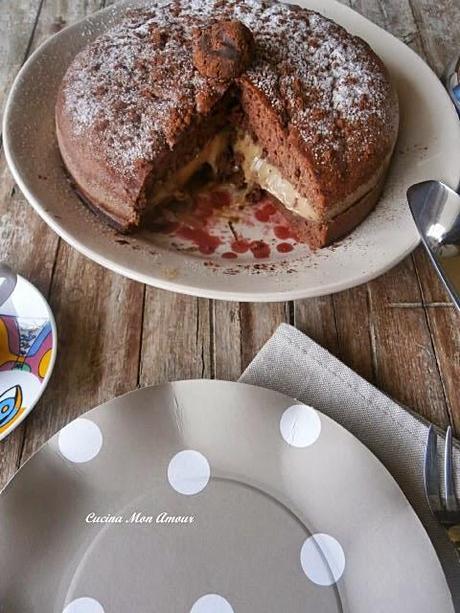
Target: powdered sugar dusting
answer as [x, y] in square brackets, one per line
[132, 91]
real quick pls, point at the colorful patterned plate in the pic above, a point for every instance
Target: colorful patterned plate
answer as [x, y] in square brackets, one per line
[27, 353]
[253, 258]
[211, 497]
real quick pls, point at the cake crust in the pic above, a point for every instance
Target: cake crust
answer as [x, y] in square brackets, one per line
[136, 102]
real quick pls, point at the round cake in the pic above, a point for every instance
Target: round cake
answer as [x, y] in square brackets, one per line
[301, 108]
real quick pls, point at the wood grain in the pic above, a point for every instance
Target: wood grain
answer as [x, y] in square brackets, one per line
[228, 342]
[439, 26]
[317, 318]
[403, 345]
[18, 19]
[355, 331]
[399, 331]
[176, 338]
[258, 322]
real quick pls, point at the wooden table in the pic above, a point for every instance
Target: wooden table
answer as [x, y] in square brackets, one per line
[399, 331]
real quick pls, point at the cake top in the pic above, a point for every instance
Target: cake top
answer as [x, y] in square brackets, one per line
[137, 87]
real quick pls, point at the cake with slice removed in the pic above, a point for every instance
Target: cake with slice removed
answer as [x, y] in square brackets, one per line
[303, 109]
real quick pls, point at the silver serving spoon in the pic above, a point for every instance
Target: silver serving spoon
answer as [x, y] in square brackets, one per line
[436, 211]
[8, 280]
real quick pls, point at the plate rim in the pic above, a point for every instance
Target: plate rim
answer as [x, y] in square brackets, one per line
[199, 289]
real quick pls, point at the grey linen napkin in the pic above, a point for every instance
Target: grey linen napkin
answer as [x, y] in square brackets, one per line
[293, 364]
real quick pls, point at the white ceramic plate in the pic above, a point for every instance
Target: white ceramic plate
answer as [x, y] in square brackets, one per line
[290, 513]
[428, 148]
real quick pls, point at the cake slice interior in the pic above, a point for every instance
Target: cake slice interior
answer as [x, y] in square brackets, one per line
[235, 155]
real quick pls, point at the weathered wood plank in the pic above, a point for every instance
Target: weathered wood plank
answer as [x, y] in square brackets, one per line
[355, 331]
[17, 23]
[258, 322]
[445, 329]
[227, 348]
[21, 228]
[433, 290]
[439, 27]
[176, 338]
[444, 324]
[395, 16]
[317, 318]
[405, 362]
[57, 14]
[240, 330]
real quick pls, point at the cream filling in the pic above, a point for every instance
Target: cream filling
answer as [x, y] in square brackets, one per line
[258, 171]
[208, 155]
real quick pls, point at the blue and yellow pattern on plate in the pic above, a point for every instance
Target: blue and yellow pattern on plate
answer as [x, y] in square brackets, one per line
[27, 353]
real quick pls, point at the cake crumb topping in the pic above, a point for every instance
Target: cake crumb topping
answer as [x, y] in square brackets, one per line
[223, 50]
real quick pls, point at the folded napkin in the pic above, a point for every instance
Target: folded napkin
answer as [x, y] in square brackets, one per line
[293, 364]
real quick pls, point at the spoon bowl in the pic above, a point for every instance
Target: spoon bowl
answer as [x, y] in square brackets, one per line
[435, 208]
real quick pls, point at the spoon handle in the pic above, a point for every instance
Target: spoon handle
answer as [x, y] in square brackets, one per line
[8, 280]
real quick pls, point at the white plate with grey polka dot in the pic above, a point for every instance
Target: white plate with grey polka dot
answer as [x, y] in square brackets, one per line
[211, 497]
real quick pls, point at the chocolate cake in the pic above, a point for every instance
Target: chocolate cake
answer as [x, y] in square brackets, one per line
[303, 109]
